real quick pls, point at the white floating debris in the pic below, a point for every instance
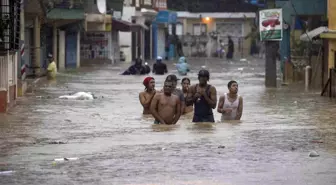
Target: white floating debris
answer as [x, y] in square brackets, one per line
[6, 172]
[203, 67]
[295, 102]
[243, 60]
[66, 159]
[313, 154]
[163, 149]
[146, 63]
[78, 96]
[240, 69]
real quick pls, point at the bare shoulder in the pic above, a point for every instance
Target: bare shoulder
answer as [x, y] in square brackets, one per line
[157, 95]
[176, 98]
[141, 93]
[212, 88]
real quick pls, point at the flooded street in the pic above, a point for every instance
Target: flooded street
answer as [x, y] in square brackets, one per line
[117, 145]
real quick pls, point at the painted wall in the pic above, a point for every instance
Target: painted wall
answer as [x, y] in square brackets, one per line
[302, 7]
[332, 26]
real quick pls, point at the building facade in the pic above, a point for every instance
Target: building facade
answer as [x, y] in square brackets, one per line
[9, 52]
[202, 32]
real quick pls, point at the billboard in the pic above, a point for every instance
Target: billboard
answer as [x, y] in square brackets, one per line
[271, 24]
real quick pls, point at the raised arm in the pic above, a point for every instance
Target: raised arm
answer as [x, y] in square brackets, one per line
[153, 108]
[212, 100]
[145, 102]
[220, 105]
[190, 95]
[240, 108]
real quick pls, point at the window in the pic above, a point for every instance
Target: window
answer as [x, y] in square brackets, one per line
[179, 29]
[199, 28]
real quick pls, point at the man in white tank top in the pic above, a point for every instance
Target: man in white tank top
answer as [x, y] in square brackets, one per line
[230, 105]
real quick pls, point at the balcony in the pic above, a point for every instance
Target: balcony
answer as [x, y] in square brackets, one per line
[64, 4]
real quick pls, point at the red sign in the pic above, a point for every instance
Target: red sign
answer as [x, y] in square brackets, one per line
[160, 5]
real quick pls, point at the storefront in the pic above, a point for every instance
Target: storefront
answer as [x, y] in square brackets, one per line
[96, 45]
[160, 29]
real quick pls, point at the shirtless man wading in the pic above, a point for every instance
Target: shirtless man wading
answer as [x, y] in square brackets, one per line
[147, 95]
[166, 107]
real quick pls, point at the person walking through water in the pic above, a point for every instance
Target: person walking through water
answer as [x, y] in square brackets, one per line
[159, 68]
[146, 96]
[182, 66]
[52, 68]
[230, 52]
[204, 98]
[230, 105]
[185, 87]
[166, 107]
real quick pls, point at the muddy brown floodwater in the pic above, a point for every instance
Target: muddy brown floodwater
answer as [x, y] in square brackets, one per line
[117, 145]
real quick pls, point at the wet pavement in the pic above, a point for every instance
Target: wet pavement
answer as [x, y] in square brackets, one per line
[115, 144]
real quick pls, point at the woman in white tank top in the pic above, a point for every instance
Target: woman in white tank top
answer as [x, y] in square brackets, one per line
[230, 105]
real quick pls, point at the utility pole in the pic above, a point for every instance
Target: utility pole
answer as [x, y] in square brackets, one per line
[270, 59]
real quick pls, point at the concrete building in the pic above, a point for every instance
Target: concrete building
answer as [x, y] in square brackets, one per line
[9, 51]
[138, 44]
[196, 28]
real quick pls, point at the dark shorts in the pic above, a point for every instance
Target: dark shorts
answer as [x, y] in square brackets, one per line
[206, 118]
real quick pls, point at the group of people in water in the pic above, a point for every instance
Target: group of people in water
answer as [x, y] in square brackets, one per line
[167, 105]
[159, 67]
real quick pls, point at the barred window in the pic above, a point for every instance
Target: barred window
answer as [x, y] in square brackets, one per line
[9, 24]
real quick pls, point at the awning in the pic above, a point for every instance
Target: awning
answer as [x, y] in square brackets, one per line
[313, 33]
[125, 26]
[331, 34]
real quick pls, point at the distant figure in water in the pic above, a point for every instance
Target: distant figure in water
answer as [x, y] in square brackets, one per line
[137, 69]
[146, 96]
[159, 68]
[185, 88]
[231, 104]
[166, 107]
[52, 68]
[182, 66]
[230, 52]
[204, 98]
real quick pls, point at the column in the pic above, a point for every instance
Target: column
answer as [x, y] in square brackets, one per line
[151, 41]
[143, 44]
[78, 50]
[61, 49]
[37, 45]
[55, 44]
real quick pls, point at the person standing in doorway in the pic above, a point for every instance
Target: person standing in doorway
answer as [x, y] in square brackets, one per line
[52, 68]
[166, 107]
[146, 96]
[230, 105]
[159, 68]
[185, 87]
[204, 98]
[167, 46]
[230, 52]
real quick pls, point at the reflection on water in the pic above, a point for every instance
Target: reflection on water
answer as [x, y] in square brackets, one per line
[116, 144]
